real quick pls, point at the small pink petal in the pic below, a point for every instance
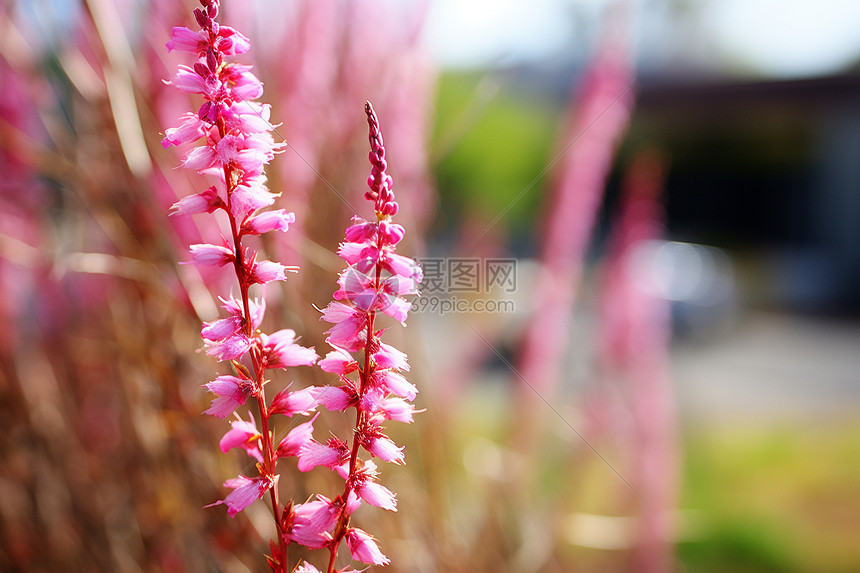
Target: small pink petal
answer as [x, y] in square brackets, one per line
[364, 548]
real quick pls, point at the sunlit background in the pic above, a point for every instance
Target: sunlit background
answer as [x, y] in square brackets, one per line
[671, 382]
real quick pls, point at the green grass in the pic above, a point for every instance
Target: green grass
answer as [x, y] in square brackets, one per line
[773, 499]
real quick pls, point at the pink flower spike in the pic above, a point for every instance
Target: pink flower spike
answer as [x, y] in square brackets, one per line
[278, 220]
[205, 202]
[298, 437]
[282, 351]
[231, 392]
[211, 255]
[364, 548]
[245, 492]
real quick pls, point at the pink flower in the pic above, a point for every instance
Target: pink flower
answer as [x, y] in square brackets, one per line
[205, 202]
[390, 233]
[396, 409]
[211, 255]
[200, 158]
[222, 328]
[382, 447]
[277, 220]
[349, 329]
[281, 351]
[363, 547]
[233, 42]
[224, 338]
[229, 348]
[338, 361]
[231, 392]
[191, 129]
[298, 437]
[188, 80]
[337, 312]
[263, 272]
[351, 252]
[249, 196]
[398, 285]
[400, 265]
[244, 435]
[394, 306]
[389, 357]
[377, 494]
[336, 398]
[303, 402]
[248, 90]
[331, 454]
[239, 75]
[306, 567]
[396, 384]
[313, 522]
[186, 40]
[248, 117]
[360, 231]
[245, 492]
[306, 401]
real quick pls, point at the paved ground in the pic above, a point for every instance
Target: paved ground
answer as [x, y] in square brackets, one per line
[771, 366]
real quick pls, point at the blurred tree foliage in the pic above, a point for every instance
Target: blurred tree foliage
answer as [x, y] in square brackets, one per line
[492, 145]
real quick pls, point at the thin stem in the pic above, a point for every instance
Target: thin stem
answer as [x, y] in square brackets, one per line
[269, 461]
[364, 374]
[332, 556]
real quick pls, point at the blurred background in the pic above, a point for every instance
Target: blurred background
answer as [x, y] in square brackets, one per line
[638, 338]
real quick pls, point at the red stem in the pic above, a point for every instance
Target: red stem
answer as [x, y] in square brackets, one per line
[269, 460]
[364, 374]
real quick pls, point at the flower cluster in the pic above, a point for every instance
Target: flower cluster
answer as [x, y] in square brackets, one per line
[369, 372]
[236, 145]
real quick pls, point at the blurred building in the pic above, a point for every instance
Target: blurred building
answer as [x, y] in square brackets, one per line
[769, 169]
